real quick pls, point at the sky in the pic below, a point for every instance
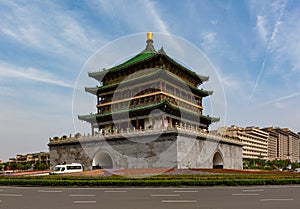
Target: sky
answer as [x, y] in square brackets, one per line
[254, 47]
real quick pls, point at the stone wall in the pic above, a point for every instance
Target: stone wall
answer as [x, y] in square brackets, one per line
[144, 150]
[68, 153]
[195, 152]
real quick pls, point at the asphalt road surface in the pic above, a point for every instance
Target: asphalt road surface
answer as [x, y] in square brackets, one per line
[264, 197]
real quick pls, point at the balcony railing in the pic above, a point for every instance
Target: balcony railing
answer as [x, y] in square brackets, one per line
[105, 134]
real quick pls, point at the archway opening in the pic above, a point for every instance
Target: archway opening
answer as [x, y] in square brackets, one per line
[218, 161]
[102, 160]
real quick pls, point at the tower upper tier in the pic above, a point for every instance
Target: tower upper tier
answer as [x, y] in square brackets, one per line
[149, 58]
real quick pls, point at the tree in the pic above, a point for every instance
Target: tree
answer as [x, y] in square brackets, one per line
[13, 166]
[20, 166]
[37, 166]
[44, 166]
[28, 166]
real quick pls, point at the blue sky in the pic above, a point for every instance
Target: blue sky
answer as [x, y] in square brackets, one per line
[254, 46]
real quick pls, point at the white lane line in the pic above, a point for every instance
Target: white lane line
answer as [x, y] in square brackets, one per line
[11, 195]
[0, 201]
[179, 201]
[253, 190]
[115, 191]
[85, 202]
[185, 191]
[82, 195]
[165, 195]
[243, 194]
[265, 200]
[49, 191]
[1, 190]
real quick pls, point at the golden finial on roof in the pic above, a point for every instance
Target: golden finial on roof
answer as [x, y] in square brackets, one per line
[149, 36]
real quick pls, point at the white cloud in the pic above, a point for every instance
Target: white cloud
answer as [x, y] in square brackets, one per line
[260, 25]
[8, 71]
[279, 99]
[279, 105]
[287, 45]
[49, 29]
[151, 7]
[273, 17]
[140, 15]
[214, 22]
[209, 41]
[231, 82]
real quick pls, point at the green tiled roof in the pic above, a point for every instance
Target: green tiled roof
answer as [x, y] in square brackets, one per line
[137, 58]
[144, 55]
[140, 57]
[93, 116]
[93, 90]
[202, 78]
[164, 102]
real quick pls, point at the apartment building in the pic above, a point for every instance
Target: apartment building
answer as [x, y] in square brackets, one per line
[284, 144]
[254, 140]
[33, 158]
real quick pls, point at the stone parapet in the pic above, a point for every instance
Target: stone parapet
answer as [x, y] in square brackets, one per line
[197, 133]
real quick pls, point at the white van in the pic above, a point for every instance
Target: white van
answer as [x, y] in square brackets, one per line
[67, 168]
[297, 170]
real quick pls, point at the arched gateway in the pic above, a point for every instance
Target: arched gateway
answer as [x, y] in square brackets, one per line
[218, 161]
[102, 160]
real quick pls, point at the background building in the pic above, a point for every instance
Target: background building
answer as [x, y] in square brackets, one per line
[254, 140]
[267, 143]
[39, 161]
[284, 144]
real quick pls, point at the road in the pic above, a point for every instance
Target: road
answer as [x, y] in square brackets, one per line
[264, 197]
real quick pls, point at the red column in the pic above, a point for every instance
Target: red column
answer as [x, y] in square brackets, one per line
[169, 121]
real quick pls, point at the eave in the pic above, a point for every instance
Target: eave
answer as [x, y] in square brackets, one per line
[92, 118]
[96, 90]
[133, 61]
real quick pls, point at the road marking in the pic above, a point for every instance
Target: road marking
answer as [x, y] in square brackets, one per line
[1, 190]
[115, 191]
[265, 200]
[251, 194]
[50, 191]
[185, 191]
[85, 202]
[179, 201]
[0, 200]
[165, 195]
[82, 195]
[253, 190]
[11, 195]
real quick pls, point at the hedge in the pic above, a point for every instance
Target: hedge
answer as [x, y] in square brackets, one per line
[144, 182]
